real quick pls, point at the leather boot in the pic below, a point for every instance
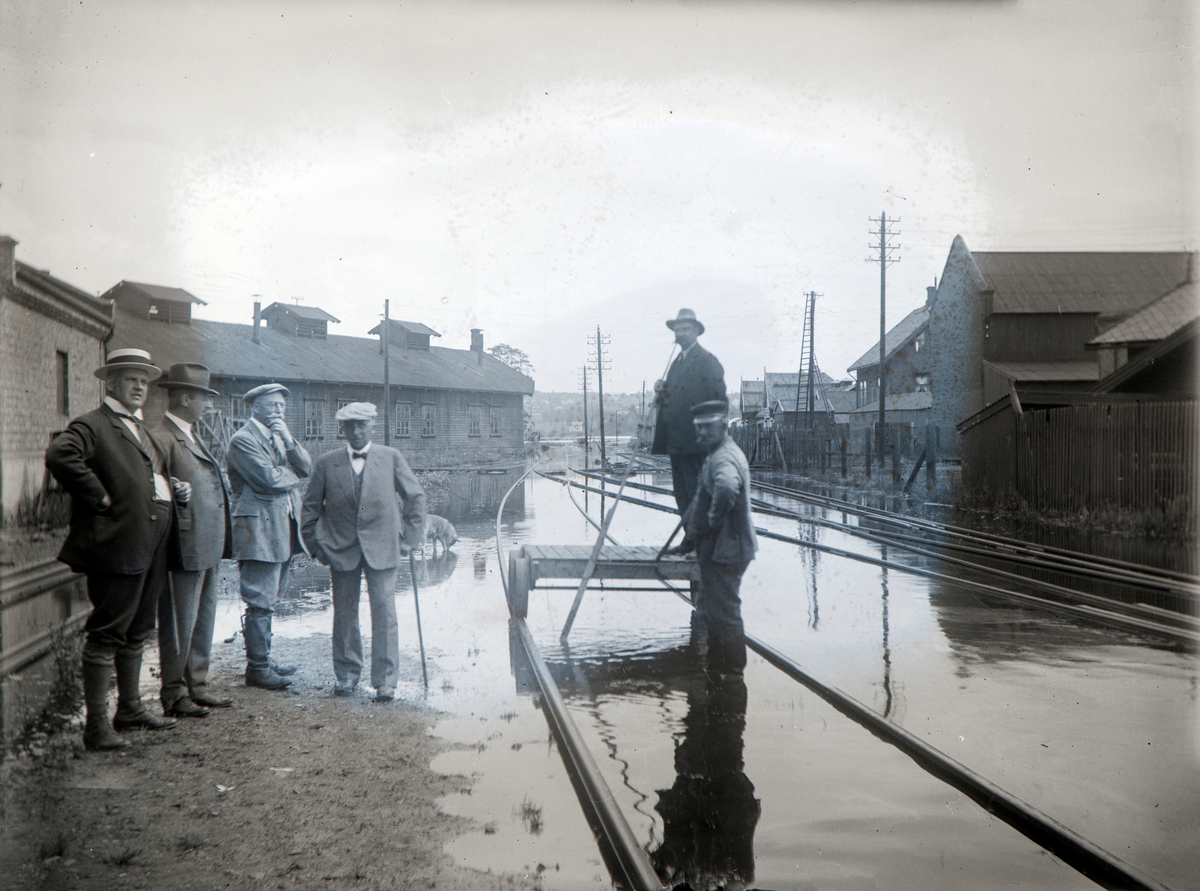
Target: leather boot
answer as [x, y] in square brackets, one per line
[98, 733]
[131, 713]
[256, 631]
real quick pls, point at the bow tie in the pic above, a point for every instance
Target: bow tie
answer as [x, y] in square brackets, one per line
[362, 455]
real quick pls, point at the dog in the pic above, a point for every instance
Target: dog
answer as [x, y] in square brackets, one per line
[439, 529]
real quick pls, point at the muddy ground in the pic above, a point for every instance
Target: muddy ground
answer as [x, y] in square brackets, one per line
[284, 790]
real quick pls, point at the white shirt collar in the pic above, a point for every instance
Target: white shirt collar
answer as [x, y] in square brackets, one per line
[351, 450]
[179, 422]
[120, 409]
[683, 353]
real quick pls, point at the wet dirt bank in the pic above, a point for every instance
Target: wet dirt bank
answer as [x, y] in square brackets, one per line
[284, 790]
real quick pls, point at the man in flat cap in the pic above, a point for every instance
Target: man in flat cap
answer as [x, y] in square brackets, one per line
[695, 376]
[720, 529]
[363, 509]
[266, 470]
[203, 536]
[122, 500]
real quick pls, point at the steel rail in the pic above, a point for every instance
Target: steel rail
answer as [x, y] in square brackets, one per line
[1094, 613]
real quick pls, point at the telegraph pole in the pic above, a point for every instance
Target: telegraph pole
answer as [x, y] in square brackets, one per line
[600, 343]
[583, 374]
[885, 259]
[387, 387]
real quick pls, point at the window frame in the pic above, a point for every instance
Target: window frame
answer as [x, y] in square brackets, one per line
[428, 420]
[320, 419]
[404, 415]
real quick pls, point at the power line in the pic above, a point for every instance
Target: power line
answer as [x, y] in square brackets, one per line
[885, 259]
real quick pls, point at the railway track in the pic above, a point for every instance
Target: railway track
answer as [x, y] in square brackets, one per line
[628, 861]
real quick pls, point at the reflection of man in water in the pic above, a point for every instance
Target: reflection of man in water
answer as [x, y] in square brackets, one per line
[710, 814]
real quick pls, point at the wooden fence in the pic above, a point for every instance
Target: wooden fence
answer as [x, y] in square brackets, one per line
[1135, 456]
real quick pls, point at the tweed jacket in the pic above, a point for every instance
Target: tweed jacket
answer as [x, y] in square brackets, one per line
[721, 507]
[697, 378]
[203, 529]
[372, 527]
[266, 494]
[95, 456]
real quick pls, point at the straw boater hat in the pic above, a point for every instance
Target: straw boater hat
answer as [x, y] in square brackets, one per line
[685, 315]
[357, 411]
[263, 390]
[188, 376]
[119, 360]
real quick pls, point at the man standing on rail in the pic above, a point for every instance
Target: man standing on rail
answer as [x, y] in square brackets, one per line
[695, 376]
[718, 526]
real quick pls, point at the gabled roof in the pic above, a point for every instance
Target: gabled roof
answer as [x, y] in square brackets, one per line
[1159, 320]
[160, 292]
[228, 350]
[414, 327]
[308, 313]
[781, 389]
[1106, 282]
[1047, 371]
[1178, 338]
[898, 337]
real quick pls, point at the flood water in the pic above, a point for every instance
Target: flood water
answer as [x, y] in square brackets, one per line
[759, 778]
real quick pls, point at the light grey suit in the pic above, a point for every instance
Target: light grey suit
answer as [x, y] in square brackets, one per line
[357, 525]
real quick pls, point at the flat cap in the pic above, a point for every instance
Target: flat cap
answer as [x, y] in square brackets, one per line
[357, 411]
[263, 390]
[713, 410]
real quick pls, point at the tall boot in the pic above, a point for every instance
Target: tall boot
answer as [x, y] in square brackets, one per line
[256, 630]
[131, 713]
[98, 733]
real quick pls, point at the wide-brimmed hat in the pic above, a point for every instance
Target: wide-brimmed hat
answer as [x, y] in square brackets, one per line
[128, 358]
[263, 390]
[188, 376]
[357, 411]
[685, 315]
[712, 410]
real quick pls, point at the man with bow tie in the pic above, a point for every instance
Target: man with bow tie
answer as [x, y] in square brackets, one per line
[203, 536]
[364, 508]
[122, 501]
[267, 467]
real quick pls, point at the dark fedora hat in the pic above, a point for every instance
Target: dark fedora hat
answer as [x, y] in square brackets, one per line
[188, 376]
[685, 315]
[128, 358]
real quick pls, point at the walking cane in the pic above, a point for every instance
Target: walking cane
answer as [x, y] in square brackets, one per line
[412, 567]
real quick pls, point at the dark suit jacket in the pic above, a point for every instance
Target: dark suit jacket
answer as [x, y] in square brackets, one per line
[203, 531]
[698, 378]
[371, 527]
[263, 485]
[96, 456]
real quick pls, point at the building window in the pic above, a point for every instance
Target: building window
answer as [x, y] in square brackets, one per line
[494, 420]
[428, 419]
[922, 381]
[313, 418]
[342, 403]
[404, 419]
[238, 409]
[63, 379]
[474, 420]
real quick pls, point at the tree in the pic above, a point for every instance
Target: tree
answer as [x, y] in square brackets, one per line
[513, 358]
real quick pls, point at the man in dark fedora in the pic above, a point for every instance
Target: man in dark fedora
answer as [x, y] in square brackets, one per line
[122, 501]
[694, 377]
[203, 536]
[363, 509]
[266, 467]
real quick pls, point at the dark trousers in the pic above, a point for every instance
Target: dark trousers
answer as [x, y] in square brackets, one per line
[185, 641]
[124, 606]
[719, 605]
[685, 477]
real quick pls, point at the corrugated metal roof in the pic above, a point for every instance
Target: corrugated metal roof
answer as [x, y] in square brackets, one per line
[414, 327]
[898, 402]
[228, 350]
[1080, 282]
[899, 335]
[1159, 320]
[1047, 371]
[310, 313]
[160, 292]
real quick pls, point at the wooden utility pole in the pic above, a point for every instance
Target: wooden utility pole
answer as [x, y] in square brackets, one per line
[583, 372]
[387, 384]
[884, 260]
[600, 343]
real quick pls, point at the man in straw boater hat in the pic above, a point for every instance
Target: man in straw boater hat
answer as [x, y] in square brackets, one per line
[353, 521]
[122, 502]
[266, 467]
[720, 529]
[694, 377]
[203, 536]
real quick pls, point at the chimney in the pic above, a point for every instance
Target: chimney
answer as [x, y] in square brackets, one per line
[930, 293]
[257, 318]
[8, 260]
[477, 344]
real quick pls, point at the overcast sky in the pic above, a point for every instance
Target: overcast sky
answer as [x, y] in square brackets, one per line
[538, 169]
